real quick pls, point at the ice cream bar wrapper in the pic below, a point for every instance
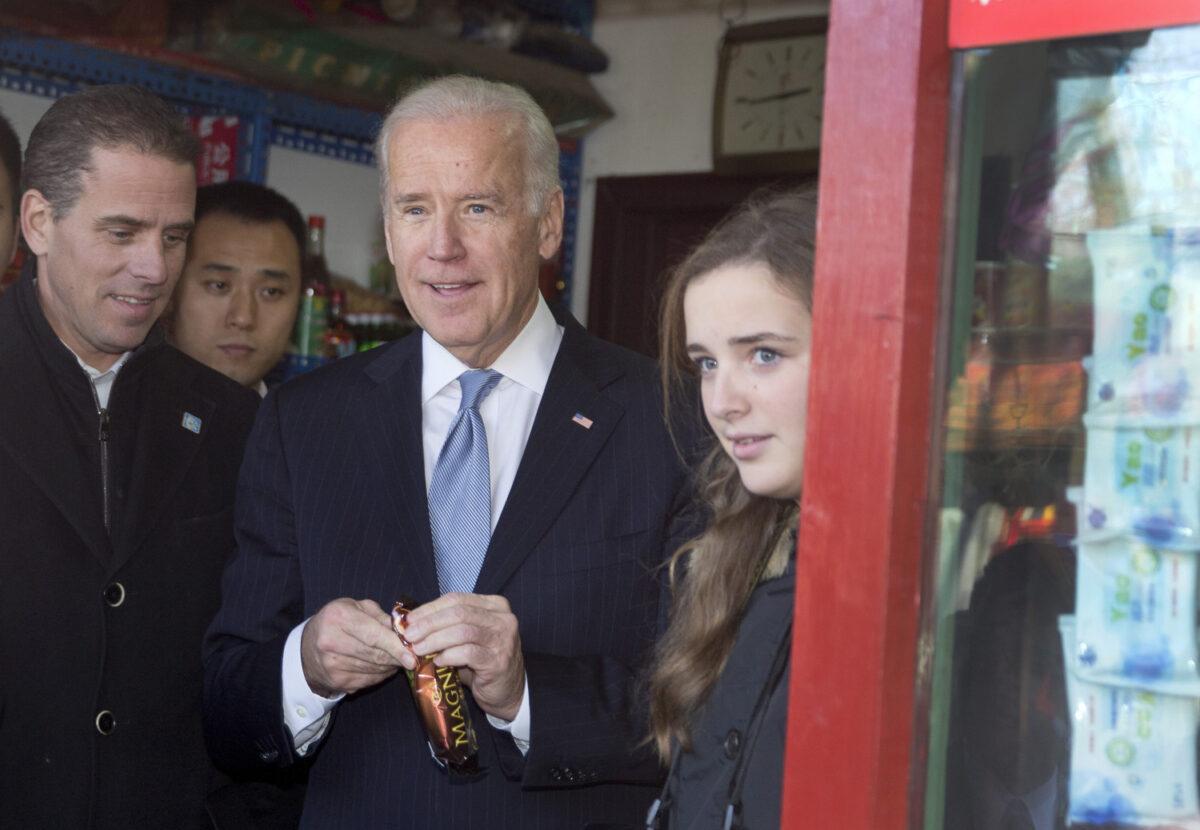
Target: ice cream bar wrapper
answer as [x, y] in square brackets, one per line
[442, 704]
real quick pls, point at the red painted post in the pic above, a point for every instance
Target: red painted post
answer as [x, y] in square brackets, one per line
[851, 725]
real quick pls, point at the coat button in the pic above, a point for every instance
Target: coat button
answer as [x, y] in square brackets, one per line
[556, 774]
[105, 722]
[114, 594]
[733, 744]
[269, 756]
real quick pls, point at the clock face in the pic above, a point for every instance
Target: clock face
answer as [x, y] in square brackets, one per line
[771, 100]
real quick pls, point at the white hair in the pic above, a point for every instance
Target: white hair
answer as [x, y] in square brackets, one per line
[461, 96]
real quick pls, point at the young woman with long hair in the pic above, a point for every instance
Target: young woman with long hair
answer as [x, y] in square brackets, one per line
[737, 316]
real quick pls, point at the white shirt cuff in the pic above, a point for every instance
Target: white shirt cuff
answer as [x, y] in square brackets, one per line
[305, 713]
[519, 726]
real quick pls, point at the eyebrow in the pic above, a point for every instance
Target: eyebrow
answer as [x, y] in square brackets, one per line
[272, 273]
[141, 224]
[748, 339]
[478, 196]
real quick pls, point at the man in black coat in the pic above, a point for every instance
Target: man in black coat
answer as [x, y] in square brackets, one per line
[118, 457]
[548, 596]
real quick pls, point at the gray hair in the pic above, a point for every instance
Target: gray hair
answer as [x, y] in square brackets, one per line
[461, 96]
[111, 116]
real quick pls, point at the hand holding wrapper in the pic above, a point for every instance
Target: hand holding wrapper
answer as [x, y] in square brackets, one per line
[441, 700]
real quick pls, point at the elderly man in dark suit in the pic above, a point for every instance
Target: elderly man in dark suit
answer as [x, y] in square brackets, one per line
[118, 461]
[503, 468]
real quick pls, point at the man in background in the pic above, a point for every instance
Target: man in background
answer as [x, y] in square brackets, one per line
[235, 306]
[118, 458]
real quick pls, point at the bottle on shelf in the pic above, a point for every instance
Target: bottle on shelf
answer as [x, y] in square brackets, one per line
[339, 338]
[315, 269]
[309, 346]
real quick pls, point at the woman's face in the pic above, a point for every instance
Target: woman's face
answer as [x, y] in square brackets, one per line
[751, 341]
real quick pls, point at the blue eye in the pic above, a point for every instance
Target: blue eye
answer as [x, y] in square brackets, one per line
[706, 365]
[766, 357]
[478, 210]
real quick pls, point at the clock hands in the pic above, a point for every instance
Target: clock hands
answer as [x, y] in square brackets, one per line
[779, 96]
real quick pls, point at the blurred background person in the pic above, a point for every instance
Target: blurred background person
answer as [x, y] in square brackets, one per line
[737, 316]
[10, 192]
[235, 305]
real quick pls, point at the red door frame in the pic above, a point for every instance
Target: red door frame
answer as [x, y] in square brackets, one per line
[858, 578]
[857, 668]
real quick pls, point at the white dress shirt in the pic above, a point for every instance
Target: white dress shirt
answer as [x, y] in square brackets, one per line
[102, 382]
[507, 414]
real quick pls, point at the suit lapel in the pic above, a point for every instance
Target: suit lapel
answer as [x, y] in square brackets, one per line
[34, 431]
[172, 426]
[558, 454]
[392, 414]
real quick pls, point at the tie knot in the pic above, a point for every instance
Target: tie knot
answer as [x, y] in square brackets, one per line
[476, 384]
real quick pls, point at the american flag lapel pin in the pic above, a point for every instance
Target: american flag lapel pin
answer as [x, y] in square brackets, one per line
[191, 423]
[582, 420]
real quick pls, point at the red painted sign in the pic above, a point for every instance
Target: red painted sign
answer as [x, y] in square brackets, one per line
[992, 22]
[218, 136]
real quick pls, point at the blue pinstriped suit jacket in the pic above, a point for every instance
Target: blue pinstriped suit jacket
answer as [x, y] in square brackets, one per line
[332, 503]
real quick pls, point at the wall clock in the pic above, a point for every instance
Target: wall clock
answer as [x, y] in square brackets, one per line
[769, 95]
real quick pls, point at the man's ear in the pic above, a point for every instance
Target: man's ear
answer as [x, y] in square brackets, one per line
[550, 226]
[37, 221]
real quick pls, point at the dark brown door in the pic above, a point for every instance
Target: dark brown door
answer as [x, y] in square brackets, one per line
[644, 226]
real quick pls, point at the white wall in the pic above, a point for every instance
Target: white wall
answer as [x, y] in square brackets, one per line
[345, 193]
[660, 81]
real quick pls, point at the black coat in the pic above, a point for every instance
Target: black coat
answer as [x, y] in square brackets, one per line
[699, 786]
[592, 512]
[93, 621]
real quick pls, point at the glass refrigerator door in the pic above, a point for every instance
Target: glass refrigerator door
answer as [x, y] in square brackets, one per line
[1064, 687]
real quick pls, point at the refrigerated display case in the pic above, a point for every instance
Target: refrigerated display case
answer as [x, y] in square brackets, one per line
[996, 619]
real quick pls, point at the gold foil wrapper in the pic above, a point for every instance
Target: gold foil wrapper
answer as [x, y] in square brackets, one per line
[441, 701]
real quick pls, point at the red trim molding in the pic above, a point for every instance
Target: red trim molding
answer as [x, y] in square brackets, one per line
[852, 696]
[992, 22]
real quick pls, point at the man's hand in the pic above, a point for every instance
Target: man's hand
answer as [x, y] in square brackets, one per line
[349, 645]
[478, 634]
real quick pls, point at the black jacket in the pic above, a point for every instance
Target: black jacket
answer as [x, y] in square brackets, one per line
[699, 786]
[95, 622]
[592, 511]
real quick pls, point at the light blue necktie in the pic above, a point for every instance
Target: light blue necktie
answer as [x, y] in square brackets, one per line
[460, 493]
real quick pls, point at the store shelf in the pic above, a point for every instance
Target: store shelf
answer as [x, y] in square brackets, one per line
[52, 68]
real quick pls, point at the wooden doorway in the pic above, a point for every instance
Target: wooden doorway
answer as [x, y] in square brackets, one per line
[644, 225]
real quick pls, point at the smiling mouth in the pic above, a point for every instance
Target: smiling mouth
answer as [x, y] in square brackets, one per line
[451, 288]
[131, 300]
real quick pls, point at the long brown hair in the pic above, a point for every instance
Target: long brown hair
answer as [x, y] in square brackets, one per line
[748, 536]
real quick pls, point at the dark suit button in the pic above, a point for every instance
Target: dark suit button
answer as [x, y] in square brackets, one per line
[556, 774]
[269, 756]
[114, 594]
[733, 744]
[105, 722]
